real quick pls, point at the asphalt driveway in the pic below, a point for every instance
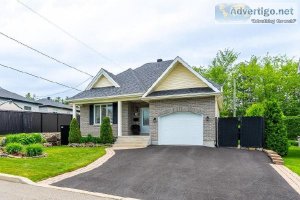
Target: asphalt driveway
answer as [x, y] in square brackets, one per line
[168, 172]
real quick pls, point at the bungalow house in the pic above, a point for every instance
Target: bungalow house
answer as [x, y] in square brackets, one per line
[50, 106]
[163, 102]
[13, 101]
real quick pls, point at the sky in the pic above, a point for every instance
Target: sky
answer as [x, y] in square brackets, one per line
[126, 34]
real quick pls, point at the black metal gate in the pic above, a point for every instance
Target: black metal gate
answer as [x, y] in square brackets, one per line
[252, 129]
[249, 130]
[228, 132]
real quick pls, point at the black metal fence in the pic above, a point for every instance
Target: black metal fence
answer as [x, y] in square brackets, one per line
[29, 122]
[248, 130]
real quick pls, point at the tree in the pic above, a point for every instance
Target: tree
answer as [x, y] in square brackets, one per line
[275, 132]
[255, 110]
[106, 136]
[31, 97]
[74, 133]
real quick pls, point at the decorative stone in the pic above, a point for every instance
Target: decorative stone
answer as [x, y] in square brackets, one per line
[52, 137]
[3, 141]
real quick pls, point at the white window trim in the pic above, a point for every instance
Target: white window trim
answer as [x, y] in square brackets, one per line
[107, 104]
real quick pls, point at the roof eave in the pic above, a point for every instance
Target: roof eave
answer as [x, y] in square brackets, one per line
[177, 96]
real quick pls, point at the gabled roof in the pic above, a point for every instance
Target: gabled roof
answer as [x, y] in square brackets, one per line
[172, 65]
[135, 81]
[50, 103]
[5, 94]
[108, 75]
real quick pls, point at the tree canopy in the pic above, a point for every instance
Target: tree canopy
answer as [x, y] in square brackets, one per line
[257, 80]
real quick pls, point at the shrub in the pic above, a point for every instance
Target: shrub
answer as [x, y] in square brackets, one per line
[255, 110]
[293, 143]
[275, 132]
[292, 124]
[24, 138]
[106, 136]
[74, 133]
[90, 138]
[34, 150]
[14, 148]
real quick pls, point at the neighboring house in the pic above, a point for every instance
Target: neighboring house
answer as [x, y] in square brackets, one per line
[13, 101]
[50, 106]
[168, 100]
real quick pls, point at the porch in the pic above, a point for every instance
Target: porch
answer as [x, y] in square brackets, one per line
[128, 118]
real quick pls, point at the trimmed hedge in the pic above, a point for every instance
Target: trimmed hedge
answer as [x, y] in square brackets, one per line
[34, 150]
[74, 133]
[275, 132]
[106, 136]
[14, 148]
[89, 138]
[24, 138]
[292, 124]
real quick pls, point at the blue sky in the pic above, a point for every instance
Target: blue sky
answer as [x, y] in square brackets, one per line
[129, 32]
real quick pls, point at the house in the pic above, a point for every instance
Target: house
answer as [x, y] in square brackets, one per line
[13, 101]
[166, 101]
[50, 106]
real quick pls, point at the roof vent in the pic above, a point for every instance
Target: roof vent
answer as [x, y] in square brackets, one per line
[159, 60]
[48, 98]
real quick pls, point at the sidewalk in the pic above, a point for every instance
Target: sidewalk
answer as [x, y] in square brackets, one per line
[19, 191]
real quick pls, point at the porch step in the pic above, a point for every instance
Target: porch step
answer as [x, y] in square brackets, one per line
[132, 142]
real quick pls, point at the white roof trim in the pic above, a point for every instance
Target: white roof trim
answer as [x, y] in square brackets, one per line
[178, 59]
[96, 78]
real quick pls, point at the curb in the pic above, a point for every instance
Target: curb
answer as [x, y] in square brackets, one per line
[16, 179]
[290, 177]
[109, 153]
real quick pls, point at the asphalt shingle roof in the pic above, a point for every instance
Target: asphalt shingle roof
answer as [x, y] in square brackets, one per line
[5, 94]
[51, 103]
[131, 81]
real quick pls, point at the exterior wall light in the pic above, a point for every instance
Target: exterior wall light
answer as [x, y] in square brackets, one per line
[207, 118]
[154, 119]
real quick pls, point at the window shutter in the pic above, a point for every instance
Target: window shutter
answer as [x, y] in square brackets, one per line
[115, 113]
[92, 114]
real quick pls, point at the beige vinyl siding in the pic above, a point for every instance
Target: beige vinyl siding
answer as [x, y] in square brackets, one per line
[102, 82]
[179, 78]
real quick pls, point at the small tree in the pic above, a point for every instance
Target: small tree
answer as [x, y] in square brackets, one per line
[255, 110]
[276, 135]
[106, 136]
[74, 133]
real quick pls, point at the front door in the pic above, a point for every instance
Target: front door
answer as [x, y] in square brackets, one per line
[144, 120]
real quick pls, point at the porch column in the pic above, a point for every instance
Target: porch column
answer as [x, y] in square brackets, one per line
[119, 118]
[74, 110]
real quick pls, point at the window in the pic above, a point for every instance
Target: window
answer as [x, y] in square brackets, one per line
[27, 108]
[101, 111]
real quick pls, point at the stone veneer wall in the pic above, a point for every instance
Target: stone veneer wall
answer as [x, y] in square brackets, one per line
[85, 126]
[94, 130]
[204, 106]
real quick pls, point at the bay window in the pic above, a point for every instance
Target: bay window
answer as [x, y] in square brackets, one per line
[101, 111]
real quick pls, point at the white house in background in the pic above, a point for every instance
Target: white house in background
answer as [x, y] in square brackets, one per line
[50, 106]
[13, 101]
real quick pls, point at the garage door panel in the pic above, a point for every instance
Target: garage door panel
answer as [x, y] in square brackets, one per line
[182, 128]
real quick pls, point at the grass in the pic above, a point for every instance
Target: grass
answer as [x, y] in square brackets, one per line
[60, 159]
[292, 160]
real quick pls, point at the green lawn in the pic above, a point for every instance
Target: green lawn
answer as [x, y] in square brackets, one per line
[59, 160]
[292, 160]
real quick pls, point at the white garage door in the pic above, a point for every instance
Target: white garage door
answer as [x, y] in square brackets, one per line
[180, 128]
